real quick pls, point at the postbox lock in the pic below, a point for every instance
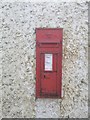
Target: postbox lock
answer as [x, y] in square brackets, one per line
[44, 76]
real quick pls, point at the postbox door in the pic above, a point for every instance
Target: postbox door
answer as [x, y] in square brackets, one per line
[49, 73]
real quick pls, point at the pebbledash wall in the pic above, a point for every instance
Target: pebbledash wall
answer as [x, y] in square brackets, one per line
[19, 21]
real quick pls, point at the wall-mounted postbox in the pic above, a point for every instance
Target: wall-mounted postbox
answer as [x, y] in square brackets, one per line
[48, 62]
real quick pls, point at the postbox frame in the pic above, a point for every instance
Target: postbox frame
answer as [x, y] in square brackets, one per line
[53, 47]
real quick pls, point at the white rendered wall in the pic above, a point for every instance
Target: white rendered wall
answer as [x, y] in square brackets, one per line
[19, 20]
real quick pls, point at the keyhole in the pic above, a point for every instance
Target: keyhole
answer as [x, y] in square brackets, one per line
[44, 76]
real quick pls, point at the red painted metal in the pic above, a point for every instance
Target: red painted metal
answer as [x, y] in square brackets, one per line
[49, 62]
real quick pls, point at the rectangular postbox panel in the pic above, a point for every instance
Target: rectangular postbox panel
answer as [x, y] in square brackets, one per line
[49, 62]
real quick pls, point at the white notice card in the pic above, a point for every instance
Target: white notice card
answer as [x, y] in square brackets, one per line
[48, 62]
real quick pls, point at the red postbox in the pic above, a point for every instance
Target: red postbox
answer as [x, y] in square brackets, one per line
[49, 62]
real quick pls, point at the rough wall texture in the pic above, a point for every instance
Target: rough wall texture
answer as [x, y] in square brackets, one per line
[89, 58]
[19, 21]
[0, 67]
